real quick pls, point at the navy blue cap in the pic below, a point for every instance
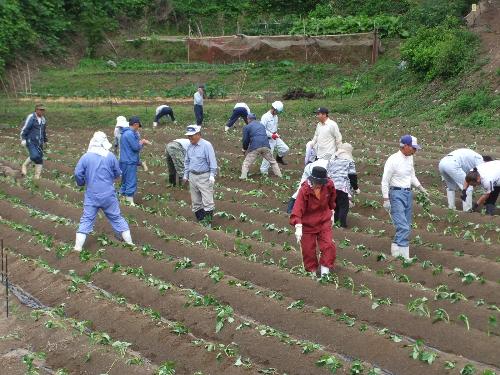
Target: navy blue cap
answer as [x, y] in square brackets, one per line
[134, 120]
[252, 116]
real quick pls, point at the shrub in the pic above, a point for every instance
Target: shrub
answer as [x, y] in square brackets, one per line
[440, 51]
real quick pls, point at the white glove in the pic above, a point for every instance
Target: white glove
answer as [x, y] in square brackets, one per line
[333, 218]
[298, 232]
[387, 205]
[23, 142]
[357, 191]
[423, 190]
[211, 179]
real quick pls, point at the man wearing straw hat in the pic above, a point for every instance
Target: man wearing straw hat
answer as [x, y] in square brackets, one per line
[33, 137]
[312, 218]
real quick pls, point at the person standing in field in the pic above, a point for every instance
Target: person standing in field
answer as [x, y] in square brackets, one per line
[33, 137]
[312, 218]
[488, 176]
[200, 168]
[240, 110]
[342, 170]
[175, 153]
[97, 170]
[327, 137]
[453, 168]
[163, 111]
[121, 122]
[256, 143]
[397, 180]
[198, 104]
[270, 121]
[130, 147]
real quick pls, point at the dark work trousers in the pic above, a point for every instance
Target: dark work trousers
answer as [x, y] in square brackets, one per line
[165, 111]
[198, 114]
[341, 208]
[237, 113]
[490, 203]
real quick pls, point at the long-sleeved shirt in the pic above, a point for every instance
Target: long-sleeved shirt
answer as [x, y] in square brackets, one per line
[98, 174]
[200, 158]
[270, 122]
[314, 214]
[254, 136]
[466, 158]
[130, 146]
[198, 98]
[34, 129]
[184, 142]
[160, 107]
[327, 138]
[399, 171]
[242, 105]
[343, 173]
[490, 175]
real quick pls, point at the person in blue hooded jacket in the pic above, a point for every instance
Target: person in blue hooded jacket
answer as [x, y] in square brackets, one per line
[33, 137]
[130, 147]
[97, 169]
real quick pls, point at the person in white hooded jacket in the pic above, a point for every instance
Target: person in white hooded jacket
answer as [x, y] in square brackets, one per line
[121, 122]
[97, 170]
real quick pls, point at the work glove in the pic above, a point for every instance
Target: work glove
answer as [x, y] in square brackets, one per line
[423, 190]
[185, 180]
[351, 204]
[387, 205]
[275, 136]
[23, 142]
[333, 218]
[357, 191]
[298, 232]
[211, 179]
[463, 196]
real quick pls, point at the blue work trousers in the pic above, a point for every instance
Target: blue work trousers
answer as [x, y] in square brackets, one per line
[112, 212]
[129, 179]
[401, 212]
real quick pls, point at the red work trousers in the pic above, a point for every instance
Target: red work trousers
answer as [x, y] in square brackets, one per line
[328, 251]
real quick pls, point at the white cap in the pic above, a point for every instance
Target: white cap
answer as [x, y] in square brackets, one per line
[192, 129]
[277, 105]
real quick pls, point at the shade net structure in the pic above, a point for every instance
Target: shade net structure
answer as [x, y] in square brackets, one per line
[350, 48]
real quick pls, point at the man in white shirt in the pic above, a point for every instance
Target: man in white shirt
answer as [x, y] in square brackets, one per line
[270, 122]
[398, 177]
[198, 104]
[163, 111]
[453, 168]
[240, 110]
[327, 137]
[487, 175]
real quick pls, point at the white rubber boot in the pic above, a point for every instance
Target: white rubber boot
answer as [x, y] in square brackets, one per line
[405, 252]
[144, 166]
[127, 237]
[24, 167]
[451, 199]
[226, 128]
[130, 200]
[395, 250]
[324, 270]
[467, 205]
[155, 124]
[79, 241]
[38, 171]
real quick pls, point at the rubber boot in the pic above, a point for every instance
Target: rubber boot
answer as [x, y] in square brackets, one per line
[226, 128]
[280, 160]
[24, 167]
[199, 214]
[79, 241]
[127, 237]
[130, 200]
[290, 205]
[490, 209]
[405, 252]
[144, 166]
[395, 250]
[324, 270]
[38, 171]
[172, 180]
[155, 124]
[467, 205]
[450, 194]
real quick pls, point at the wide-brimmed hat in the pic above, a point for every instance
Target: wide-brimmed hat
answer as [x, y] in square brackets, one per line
[344, 151]
[319, 175]
[121, 122]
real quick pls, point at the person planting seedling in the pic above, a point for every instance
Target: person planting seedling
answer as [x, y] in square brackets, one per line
[97, 169]
[163, 111]
[270, 122]
[453, 168]
[488, 176]
[398, 177]
[240, 110]
[312, 217]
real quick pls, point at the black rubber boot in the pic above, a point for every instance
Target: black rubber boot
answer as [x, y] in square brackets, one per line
[490, 209]
[290, 205]
[172, 180]
[200, 214]
[280, 160]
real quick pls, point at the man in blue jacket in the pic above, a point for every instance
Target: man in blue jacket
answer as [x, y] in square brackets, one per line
[97, 169]
[130, 148]
[255, 144]
[33, 136]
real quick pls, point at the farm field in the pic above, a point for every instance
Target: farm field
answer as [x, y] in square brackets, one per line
[235, 299]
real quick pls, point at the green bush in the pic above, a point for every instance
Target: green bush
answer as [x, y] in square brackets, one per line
[364, 7]
[432, 13]
[470, 102]
[440, 51]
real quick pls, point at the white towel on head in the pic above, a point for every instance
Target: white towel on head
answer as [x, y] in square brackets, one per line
[99, 144]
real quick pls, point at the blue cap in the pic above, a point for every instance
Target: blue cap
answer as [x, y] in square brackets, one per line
[410, 141]
[134, 120]
[252, 116]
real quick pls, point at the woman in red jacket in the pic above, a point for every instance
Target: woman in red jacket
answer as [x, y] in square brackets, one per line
[312, 217]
